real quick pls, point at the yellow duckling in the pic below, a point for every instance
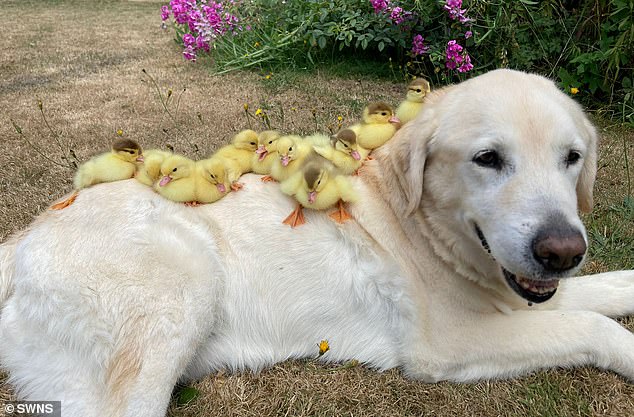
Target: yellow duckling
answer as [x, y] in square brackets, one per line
[344, 151]
[118, 164]
[265, 154]
[211, 180]
[413, 103]
[150, 171]
[239, 155]
[292, 151]
[178, 179]
[377, 126]
[318, 187]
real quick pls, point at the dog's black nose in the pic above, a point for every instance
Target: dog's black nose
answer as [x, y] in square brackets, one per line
[559, 249]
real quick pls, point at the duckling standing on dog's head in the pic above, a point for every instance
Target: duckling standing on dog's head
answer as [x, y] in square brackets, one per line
[413, 103]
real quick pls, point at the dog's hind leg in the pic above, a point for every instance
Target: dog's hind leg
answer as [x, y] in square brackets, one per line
[610, 293]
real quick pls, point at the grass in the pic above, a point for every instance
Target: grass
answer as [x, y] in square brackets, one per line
[84, 60]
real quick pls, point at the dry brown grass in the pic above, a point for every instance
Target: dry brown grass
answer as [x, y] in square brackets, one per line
[84, 61]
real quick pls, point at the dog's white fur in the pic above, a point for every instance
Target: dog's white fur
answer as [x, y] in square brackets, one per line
[108, 303]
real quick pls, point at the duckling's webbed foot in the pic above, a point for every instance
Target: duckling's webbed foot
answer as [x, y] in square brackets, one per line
[341, 215]
[296, 218]
[237, 186]
[268, 178]
[65, 203]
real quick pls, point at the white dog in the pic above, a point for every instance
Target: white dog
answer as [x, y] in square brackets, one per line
[466, 222]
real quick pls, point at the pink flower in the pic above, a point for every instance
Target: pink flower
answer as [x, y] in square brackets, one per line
[466, 65]
[165, 13]
[418, 45]
[455, 11]
[379, 5]
[189, 54]
[201, 43]
[468, 34]
[397, 15]
[188, 40]
[457, 58]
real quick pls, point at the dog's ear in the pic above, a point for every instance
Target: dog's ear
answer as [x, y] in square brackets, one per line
[408, 154]
[585, 183]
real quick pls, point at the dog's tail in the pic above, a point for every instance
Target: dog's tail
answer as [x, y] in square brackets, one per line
[7, 270]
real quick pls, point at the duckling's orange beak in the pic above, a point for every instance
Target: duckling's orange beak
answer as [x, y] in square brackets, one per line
[221, 188]
[312, 196]
[140, 158]
[166, 179]
[262, 152]
[355, 155]
[394, 120]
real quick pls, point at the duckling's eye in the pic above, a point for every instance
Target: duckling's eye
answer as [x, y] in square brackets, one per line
[252, 143]
[290, 149]
[130, 152]
[345, 144]
[318, 182]
[270, 142]
[174, 170]
[213, 176]
[418, 90]
[383, 114]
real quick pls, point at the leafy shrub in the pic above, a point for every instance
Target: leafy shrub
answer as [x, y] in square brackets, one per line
[586, 44]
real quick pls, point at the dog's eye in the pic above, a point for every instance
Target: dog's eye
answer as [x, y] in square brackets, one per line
[488, 159]
[572, 158]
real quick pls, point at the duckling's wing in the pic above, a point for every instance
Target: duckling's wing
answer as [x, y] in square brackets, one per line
[345, 188]
[292, 184]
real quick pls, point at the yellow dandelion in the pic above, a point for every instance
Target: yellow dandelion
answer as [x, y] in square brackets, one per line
[339, 118]
[119, 132]
[323, 347]
[268, 76]
[246, 106]
[259, 112]
[574, 90]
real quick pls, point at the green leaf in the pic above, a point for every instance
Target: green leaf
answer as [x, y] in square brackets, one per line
[381, 46]
[322, 42]
[187, 395]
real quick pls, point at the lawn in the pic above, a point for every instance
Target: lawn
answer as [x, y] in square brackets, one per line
[84, 61]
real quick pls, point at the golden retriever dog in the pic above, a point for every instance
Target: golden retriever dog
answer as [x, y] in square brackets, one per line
[457, 266]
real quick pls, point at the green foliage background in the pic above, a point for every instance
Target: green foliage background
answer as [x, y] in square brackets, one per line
[582, 44]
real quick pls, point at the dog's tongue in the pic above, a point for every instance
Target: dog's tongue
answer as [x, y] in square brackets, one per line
[285, 160]
[312, 196]
[355, 155]
[221, 188]
[165, 180]
[261, 151]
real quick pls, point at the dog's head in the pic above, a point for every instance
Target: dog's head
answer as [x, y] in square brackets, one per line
[499, 166]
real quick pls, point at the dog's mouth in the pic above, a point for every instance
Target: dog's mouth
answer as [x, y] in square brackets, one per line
[532, 290]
